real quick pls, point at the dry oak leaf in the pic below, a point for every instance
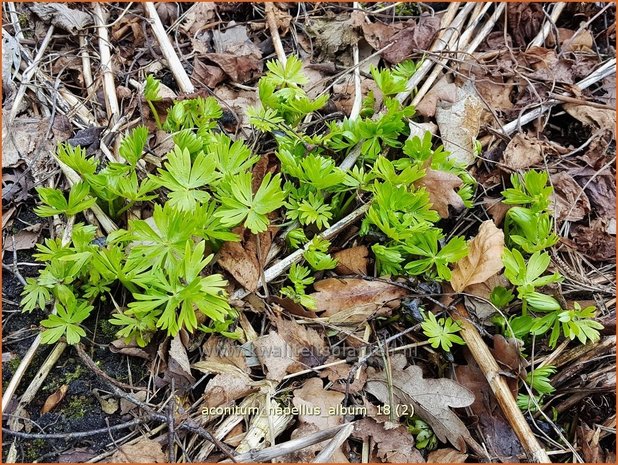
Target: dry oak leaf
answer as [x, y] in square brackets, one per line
[432, 400]
[523, 151]
[319, 405]
[601, 118]
[441, 187]
[354, 300]
[54, 399]
[143, 451]
[275, 354]
[446, 455]
[352, 260]
[393, 445]
[484, 258]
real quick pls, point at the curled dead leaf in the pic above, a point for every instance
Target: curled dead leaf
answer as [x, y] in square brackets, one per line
[54, 399]
[522, 152]
[143, 451]
[352, 260]
[459, 124]
[353, 301]
[441, 187]
[484, 258]
[432, 399]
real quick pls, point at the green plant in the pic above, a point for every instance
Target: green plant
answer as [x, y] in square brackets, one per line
[163, 265]
[424, 437]
[539, 381]
[441, 333]
[300, 277]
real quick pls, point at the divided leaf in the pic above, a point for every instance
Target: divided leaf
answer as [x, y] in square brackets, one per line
[432, 400]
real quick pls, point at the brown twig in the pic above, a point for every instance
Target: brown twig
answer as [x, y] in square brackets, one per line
[488, 365]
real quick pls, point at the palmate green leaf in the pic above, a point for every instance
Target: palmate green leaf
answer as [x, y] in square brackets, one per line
[179, 290]
[151, 89]
[388, 259]
[442, 332]
[538, 379]
[34, 295]
[230, 157]
[132, 146]
[241, 205]
[288, 75]
[75, 158]
[321, 172]
[185, 178]
[66, 323]
[162, 240]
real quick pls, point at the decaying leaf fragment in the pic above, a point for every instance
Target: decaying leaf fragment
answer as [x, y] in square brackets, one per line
[354, 300]
[432, 400]
[144, 451]
[393, 445]
[54, 399]
[484, 258]
[441, 187]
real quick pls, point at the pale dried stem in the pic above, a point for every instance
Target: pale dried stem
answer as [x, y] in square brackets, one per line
[600, 73]
[490, 368]
[449, 20]
[547, 26]
[15, 21]
[109, 87]
[455, 40]
[173, 62]
[39, 378]
[358, 91]
[86, 67]
[288, 447]
[334, 444]
[274, 31]
[29, 73]
[296, 256]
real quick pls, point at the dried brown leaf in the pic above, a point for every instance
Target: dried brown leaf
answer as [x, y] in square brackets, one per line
[442, 189]
[320, 406]
[69, 19]
[54, 399]
[395, 445]
[178, 362]
[459, 123]
[523, 151]
[352, 260]
[446, 455]
[600, 118]
[25, 239]
[441, 91]
[484, 258]
[143, 451]
[354, 300]
[275, 354]
[569, 200]
[198, 16]
[432, 400]
[496, 209]
[410, 40]
[240, 68]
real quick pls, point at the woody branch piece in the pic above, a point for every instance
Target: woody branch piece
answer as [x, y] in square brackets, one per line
[488, 365]
[173, 62]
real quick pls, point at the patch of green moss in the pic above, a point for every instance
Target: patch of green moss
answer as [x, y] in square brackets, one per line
[77, 407]
[73, 375]
[107, 328]
[14, 364]
[32, 450]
